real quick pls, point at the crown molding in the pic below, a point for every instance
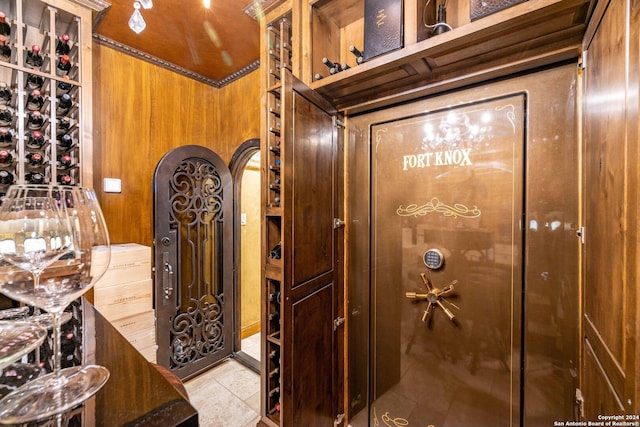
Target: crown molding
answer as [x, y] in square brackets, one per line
[175, 68]
[257, 8]
[96, 5]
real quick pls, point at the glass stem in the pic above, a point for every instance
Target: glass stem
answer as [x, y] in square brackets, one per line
[57, 352]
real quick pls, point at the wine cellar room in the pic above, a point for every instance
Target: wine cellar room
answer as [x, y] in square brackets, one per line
[387, 212]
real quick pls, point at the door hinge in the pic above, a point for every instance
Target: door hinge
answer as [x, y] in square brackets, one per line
[338, 223]
[337, 123]
[339, 419]
[582, 64]
[581, 233]
[337, 322]
[580, 403]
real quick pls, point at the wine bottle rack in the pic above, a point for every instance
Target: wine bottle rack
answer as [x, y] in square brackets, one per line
[279, 55]
[40, 94]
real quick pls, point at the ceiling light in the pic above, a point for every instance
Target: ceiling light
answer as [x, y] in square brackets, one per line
[146, 4]
[207, 3]
[136, 22]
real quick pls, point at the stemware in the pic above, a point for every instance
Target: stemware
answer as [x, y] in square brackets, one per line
[32, 231]
[83, 263]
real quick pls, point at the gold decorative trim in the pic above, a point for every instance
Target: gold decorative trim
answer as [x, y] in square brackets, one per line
[435, 205]
[511, 114]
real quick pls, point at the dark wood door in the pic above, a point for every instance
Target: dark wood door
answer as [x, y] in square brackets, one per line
[610, 304]
[310, 268]
[193, 235]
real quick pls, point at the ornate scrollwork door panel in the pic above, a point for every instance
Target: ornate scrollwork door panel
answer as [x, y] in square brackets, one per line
[193, 224]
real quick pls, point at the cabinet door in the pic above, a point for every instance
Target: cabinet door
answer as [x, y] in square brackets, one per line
[610, 305]
[312, 253]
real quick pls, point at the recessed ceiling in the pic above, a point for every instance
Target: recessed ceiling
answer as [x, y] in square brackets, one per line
[215, 45]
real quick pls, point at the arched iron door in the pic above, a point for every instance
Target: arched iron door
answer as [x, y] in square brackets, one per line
[193, 241]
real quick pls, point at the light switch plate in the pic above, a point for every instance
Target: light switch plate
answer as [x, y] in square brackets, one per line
[112, 185]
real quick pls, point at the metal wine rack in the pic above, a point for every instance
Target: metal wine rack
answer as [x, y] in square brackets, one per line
[40, 92]
[279, 56]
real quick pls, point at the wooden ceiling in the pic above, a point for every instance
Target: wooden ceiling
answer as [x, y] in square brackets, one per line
[216, 45]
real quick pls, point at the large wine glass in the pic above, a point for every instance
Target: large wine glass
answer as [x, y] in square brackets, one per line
[34, 232]
[63, 281]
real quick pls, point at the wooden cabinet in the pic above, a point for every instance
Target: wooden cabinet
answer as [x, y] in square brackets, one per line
[302, 246]
[525, 36]
[46, 69]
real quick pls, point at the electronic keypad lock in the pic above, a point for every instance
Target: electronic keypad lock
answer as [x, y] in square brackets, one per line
[433, 259]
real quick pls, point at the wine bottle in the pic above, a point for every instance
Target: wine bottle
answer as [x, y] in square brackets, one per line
[6, 177]
[5, 94]
[34, 178]
[64, 104]
[65, 161]
[276, 252]
[5, 49]
[64, 179]
[357, 53]
[5, 27]
[62, 47]
[275, 393]
[6, 116]
[34, 58]
[274, 296]
[65, 141]
[333, 67]
[274, 372]
[35, 100]
[35, 120]
[63, 124]
[34, 160]
[35, 139]
[6, 137]
[64, 86]
[274, 317]
[6, 158]
[318, 76]
[34, 81]
[63, 66]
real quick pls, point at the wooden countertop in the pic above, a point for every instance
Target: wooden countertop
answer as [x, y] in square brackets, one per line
[136, 394]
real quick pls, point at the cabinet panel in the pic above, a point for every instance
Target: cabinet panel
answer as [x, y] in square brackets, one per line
[610, 306]
[311, 360]
[313, 181]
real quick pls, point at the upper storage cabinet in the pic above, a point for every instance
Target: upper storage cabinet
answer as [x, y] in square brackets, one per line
[45, 92]
[523, 36]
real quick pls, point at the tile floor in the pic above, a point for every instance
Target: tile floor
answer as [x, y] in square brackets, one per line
[228, 395]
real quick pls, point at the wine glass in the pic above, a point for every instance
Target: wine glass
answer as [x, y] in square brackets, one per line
[32, 231]
[66, 279]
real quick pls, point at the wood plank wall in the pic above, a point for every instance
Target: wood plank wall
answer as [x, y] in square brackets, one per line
[142, 111]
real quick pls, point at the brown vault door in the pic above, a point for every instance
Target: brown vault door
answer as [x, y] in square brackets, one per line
[193, 260]
[447, 201]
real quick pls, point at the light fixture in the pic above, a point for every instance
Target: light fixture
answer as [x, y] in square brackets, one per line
[136, 22]
[207, 3]
[146, 4]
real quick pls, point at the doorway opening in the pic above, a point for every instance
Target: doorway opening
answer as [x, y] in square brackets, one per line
[245, 171]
